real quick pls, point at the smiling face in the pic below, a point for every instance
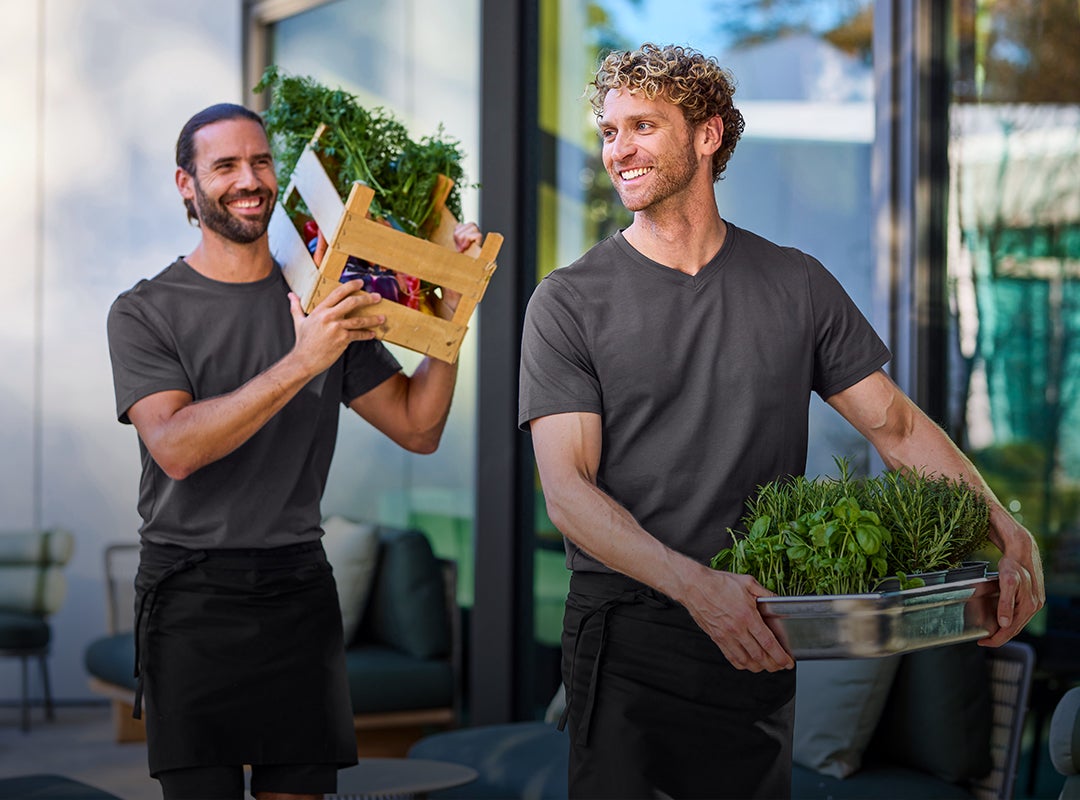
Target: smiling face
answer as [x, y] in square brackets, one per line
[649, 150]
[233, 187]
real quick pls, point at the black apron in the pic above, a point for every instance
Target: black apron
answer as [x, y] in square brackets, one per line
[240, 658]
[655, 710]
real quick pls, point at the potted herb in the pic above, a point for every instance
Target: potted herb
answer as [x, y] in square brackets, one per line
[849, 536]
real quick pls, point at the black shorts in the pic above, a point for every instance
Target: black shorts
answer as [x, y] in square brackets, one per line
[655, 710]
[242, 658]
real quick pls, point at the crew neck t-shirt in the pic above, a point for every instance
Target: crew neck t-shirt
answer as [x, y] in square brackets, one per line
[183, 331]
[702, 381]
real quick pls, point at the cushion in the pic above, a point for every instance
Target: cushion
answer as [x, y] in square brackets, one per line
[112, 659]
[521, 759]
[837, 706]
[352, 550]
[951, 686]
[884, 781]
[407, 608]
[384, 679]
[1065, 734]
[19, 631]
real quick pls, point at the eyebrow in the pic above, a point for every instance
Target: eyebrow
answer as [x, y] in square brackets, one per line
[602, 122]
[225, 160]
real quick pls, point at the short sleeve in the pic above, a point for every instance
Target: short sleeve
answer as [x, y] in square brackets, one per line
[367, 364]
[144, 359]
[557, 374]
[847, 348]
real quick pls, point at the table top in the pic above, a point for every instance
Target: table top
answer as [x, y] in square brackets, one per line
[397, 777]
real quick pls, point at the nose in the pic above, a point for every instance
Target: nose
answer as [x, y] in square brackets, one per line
[246, 177]
[621, 145]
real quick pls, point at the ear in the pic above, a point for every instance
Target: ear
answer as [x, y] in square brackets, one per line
[710, 135]
[185, 184]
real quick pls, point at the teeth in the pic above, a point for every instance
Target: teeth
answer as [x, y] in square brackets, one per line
[630, 174]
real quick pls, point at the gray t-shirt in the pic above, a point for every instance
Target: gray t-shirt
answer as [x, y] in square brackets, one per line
[184, 331]
[703, 382]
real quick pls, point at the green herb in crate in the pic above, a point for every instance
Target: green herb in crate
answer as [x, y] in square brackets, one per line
[363, 144]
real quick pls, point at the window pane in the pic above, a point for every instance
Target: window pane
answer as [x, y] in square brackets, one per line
[420, 60]
[1014, 263]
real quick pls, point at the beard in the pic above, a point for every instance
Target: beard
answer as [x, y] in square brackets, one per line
[215, 215]
[673, 173]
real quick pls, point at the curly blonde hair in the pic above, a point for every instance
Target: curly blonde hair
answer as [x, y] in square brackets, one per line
[680, 75]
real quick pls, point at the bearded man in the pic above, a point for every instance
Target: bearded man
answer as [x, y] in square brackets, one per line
[235, 394]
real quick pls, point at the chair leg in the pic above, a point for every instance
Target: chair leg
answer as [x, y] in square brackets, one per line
[25, 696]
[49, 713]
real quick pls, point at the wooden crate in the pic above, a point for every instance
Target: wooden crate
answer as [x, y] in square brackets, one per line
[350, 232]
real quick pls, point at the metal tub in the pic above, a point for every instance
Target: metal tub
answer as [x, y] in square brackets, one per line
[885, 623]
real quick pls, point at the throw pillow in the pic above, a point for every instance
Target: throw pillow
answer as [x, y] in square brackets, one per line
[837, 706]
[408, 608]
[352, 548]
[951, 686]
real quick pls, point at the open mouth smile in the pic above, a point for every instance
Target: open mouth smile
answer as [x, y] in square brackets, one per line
[631, 174]
[249, 203]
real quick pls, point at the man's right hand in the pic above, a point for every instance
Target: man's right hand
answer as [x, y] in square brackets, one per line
[724, 605]
[323, 335]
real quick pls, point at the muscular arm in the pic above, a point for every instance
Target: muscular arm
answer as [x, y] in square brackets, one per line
[412, 410]
[904, 436]
[184, 435]
[567, 448]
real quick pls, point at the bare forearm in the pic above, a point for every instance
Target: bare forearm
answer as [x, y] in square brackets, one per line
[605, 530]
[205, 431]
[431, 390]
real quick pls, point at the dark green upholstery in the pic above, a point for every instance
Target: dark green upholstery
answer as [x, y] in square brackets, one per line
[22, 631]
[112, 659]
[383, 679]
[407, 607]
[874, 780]
[951, 687]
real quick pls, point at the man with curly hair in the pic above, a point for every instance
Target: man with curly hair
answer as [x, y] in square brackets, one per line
[664, 376]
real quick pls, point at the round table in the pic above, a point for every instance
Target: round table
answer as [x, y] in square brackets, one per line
[399, 778]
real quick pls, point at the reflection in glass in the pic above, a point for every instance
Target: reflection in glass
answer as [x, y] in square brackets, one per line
[1014, 263]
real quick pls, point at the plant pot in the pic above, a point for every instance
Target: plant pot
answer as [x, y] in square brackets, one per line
[967, 570]
[888, 585]
[932, 578]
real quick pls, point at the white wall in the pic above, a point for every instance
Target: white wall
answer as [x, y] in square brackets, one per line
[94, 95]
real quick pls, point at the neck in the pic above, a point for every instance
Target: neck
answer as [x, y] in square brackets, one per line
[231, 262]
[684, 237]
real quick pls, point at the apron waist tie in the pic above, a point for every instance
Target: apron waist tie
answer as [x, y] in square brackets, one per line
[632, 597]
[150, 595]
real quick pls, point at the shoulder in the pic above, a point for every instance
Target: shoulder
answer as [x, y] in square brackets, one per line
[580, 280]
[147, 289]
[756, 247]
